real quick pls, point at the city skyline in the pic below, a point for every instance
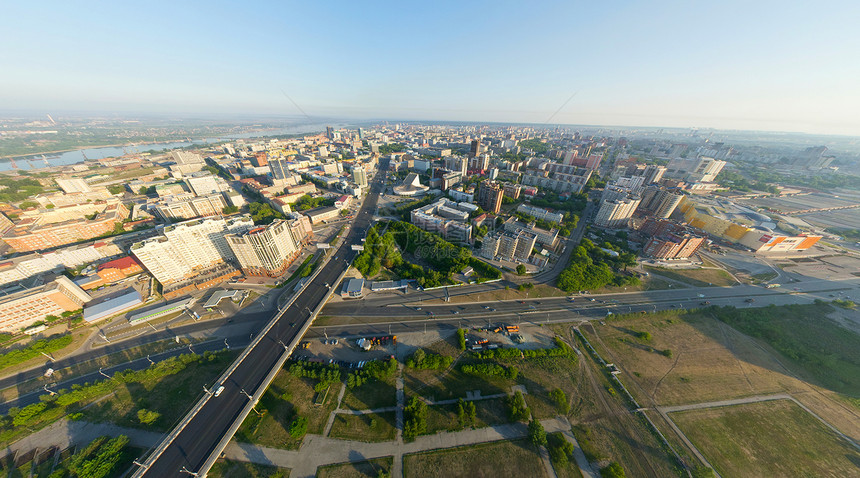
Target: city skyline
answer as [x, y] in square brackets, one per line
[731, 66]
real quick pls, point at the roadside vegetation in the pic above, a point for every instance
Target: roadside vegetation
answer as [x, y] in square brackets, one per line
[35, 349]
[592, 268]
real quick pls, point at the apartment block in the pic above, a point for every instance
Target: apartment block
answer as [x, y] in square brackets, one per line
[490, 194]
[266, 250]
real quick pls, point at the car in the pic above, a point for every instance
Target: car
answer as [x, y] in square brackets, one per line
[219, 390]
[418, 308]
[492, 309]
[705, 302]
[456, 311]
[522, 302]
[750, 300]
[487, 307]
[592, 299]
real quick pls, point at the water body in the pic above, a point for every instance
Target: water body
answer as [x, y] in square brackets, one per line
[73, 157]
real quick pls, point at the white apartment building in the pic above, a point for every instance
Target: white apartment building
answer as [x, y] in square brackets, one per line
[188, 246]
[266, 250]
[616, 212]
[540, 213]
[359, 176]
[703, 169]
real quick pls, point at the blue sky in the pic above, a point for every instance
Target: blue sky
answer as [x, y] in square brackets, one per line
[742, 65]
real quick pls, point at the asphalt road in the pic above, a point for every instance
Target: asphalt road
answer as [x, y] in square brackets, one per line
[193, 445]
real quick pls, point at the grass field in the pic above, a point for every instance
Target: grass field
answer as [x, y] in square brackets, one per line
[371, 395]
[487, 412]
[369, 427]
[775, 438]
[240, 469]
[286, 397]
[362, 469]
[826, 353]
[695, 277]
[490, 460]
[171, 396]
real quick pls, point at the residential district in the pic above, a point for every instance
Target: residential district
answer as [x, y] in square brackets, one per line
[432, 299]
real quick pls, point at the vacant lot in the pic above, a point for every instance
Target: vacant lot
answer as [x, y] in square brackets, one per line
[775, 438]
[369, 427]
[695, 277]
[240, 469]
[287, 397]
[826, 353]
[712, 361]
[362, 469]
[487, 412]
[496, 460]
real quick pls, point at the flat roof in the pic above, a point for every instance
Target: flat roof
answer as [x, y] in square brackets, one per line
[112, 306]
[163, 309]
[220, 295]
[354, 285]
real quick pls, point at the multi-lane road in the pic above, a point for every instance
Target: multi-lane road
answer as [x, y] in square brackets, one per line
[188, 448]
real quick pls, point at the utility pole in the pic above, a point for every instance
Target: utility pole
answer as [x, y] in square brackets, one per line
[46, 355]
[226, 344]
[185, 470]
[103, 374]
[150, 360]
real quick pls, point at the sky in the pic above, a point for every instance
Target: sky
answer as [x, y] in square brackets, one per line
[782, 66]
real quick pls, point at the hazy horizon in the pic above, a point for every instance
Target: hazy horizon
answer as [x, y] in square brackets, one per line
[733, 66]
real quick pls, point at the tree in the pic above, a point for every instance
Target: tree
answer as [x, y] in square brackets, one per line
[461, 338]
[560, 399]
[537, 434]
[521, 269]
[612, 470]
[517, 408]
[230, 209]
[147, 417]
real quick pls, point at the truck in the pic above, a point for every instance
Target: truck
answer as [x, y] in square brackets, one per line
[772, 286]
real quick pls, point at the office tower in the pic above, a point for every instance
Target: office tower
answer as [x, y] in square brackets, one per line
[329, 132]
[266, 250]
[490, 194]
[73, 185]
[359, 176]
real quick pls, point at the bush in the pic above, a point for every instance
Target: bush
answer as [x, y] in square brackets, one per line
[559, 448]
[298, 427]
[461, 338]
[612, 470]
[100, 459]
[374, 370]
[414, 418]
[147, 417]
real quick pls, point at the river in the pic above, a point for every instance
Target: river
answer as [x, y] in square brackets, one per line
[39, 161]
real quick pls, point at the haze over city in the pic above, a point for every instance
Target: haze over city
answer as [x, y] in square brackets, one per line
[732, 65]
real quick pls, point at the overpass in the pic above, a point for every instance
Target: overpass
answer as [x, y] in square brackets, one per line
[193, 446]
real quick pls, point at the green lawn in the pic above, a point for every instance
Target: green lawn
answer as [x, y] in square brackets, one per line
[775, 438]
[370, 427]
[371, 395]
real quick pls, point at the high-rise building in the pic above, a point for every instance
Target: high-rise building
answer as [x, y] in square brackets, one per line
[490, 194]
[508, 246]
[480, 162]
[458, 164]
[266, 250]
[189, 246]
[329, 132]
[659, 202]
[73, 185]
[653, 173]
[359, 176]
[260, 159]
[616, 212]
[280, 168]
